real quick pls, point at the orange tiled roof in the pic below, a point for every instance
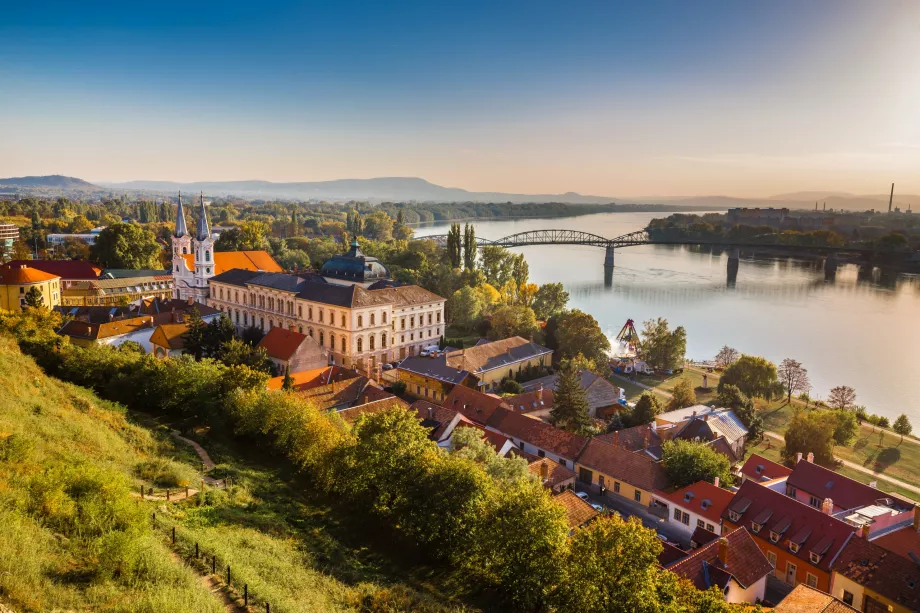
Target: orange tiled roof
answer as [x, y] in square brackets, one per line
[170, 335]
[307, 379]
[703, 498]
[577, 511]
[351, 415]
[246, 260]
[23, 275]
[281, 343]
[66, 269]
[804, 599]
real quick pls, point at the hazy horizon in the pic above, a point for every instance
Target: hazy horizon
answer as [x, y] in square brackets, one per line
[608, 99]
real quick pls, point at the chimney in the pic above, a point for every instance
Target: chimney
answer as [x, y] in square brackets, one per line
[798, 457]
[693, 416]
[705, 416]
[811, 457]
[544, 471]
[723, 552]
[715, 482]
[917, 518]
[616, 438]
[827, 507]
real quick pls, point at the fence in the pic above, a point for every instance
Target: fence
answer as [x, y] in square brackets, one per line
[180, 493]
[191, 552]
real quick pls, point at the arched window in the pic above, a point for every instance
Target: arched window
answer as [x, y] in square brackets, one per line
[246, 319]
[271, 324]
[262, 323]
[360, 323]
[370, 341]
[184, 250]
[177, 268]
[372, 322]
[383, 340]
[300, 329]
[321, 339]
[310, 332]
[300, 312]
[332, 341]
[343, 321]
[310, 313]
[344, 346]
[384, 317]
[236, 297]
[360, 345]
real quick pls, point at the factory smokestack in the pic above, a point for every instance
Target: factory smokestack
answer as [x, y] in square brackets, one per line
[891, 198]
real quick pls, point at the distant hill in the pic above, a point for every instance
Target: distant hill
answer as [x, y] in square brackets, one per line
[375, 190]
[50, 182]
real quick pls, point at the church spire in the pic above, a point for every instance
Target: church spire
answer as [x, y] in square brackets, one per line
[181, 230]
[204, 230]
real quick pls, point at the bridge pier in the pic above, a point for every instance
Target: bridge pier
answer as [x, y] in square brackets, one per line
[608, 257]
[734, 258]
[830, 266]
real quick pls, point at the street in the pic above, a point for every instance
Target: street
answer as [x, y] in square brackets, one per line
[628, 508]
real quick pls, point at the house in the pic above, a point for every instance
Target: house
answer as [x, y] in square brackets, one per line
[537, 403]
[762, 470]
[536, 437]
[721, 428]
[698, 505]
[804, 599]
[799, 540]
[614, 470]
[292, 351]
[733, 563]
[118, 290]
[873, 579]
[168, 340]
[439, 420]
[488, 364]
[904, 541]
[646, 439]
[552, 475]
[474, 405]
[604, 398]
[578, 512]
[856, 503]
[17, 281]
[429, 377]
[702, 536]
[68, 270]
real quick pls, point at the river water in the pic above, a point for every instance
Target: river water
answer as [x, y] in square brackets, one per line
[860, 329]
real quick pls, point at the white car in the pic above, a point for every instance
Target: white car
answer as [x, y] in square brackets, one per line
[597, 507]
[582, 495]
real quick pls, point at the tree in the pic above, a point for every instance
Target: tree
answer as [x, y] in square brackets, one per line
[846, 428]
[753, 375]
[219, 331]
[578, 332]
[469, 247]
[726, 357]
[464, 308]
[288, 383]
[683, 395]
[841, 397]
[469, 443]
[551, 299]
[902, 426]
[124, 245]
[236, 352]
[510, 386]
[687, 462]
[378, 226]
[794, 377]
[196, 339]
[489, 297]
[508, 321]
[661, 348]
[34, 299]
[647, 407]
[570, 404]
[454, 245]
[811, 432]
[497, 264]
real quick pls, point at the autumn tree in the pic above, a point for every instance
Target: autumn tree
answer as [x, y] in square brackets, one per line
[841, 397]
[903, 427]
[663, 348]
[794, 377]
[683, 395]
[578, 332]
[726, 356]
[508, 321]
[551, 299]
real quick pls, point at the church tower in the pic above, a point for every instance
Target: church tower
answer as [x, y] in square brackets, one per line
[204, 249]
[181, 241]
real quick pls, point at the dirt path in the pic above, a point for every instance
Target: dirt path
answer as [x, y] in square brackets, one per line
[862, 469]
[215, 587]
[179, 494]
[203, 455]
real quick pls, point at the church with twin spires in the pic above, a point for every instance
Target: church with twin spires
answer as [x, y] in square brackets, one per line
[194, 260]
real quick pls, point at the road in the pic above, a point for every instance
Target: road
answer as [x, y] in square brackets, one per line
[862, 469]
[628, 508]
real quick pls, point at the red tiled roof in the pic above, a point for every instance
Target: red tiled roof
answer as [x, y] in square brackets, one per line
[537, 433]
[760, 469]
[721, 445]
[555, 473]
[804, 599]
[475, 405]
[434, 414]
[792, 519]
[527, 402]
[702, 536]
[65, 269]
[307, 379]
[352, 414]
[824, 483]
[632, 439]
[577, 511]
[670, 554]
[881, 571]
[904, 542]
[637, 469]
[702, 498]
[171, 336]
[745, 563]
[281, 343]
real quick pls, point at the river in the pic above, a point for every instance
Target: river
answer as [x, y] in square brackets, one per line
[861, 329]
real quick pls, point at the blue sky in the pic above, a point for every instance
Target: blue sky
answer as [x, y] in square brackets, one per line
[614, 98]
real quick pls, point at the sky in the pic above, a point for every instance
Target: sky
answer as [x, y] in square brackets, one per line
[658, 98]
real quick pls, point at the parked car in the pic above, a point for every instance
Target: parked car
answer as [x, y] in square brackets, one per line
[387, 367]
[582, 495]
[597, 507]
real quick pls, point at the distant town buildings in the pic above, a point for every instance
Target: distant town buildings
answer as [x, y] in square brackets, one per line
[9, 234]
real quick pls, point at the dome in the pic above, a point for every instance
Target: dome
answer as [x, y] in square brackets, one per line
[355, 266]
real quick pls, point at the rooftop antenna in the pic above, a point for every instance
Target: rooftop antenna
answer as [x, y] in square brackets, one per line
[891, 197]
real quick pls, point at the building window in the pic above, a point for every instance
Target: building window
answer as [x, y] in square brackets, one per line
[383, 340]
[208, 270]
[384, 316]
[791, 570]
[429, 319]
[684, 519]
[793, 547]
[771, 558]
[710, 527]
[814, 501]
[320, 316]
[221, 293]
[207, 257]
[403, 323]
[700, 523]
[321, 339]
[332, 341]
[756, 527]
[847, 598]
[637, 495]
[734, 516]
[676, 514]
[370, 343]
[811, 580]
[439, 317]
[300, 329]
[412, 322]
[344, 349]
[262, 323]
[372, 319]
[310, 332]
[616, 487]
[300, 311]
[343, 321]
[774, 536]
[412, 336]
[790, 491]
[439, 332]
[246, 319]
[360, 344]
[815, 558]
[310, 313]
[561, 461]
[360, 321]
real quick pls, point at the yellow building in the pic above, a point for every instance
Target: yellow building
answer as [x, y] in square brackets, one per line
[489, 363]
[629, 474]
[871, 578]
[120, 291]
[17, 281]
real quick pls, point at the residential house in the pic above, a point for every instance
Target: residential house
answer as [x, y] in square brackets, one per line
[537, 403]
[552, 475]
[488, 364]
[614, 470]
[873, 579]
[68, 270]
[604, 398]
[474, 405]
[578, 512]
[762, 470]
[904, 541]
[292, 351]
[804, 599]
[429, 377]
[719, 428]
[440, 421]
[646, 439]
[856, 503]
[168, 340]
[117, 291]
[536, 437]
[698, 505]
[17, 281]
[733, 563]
[799, 540]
